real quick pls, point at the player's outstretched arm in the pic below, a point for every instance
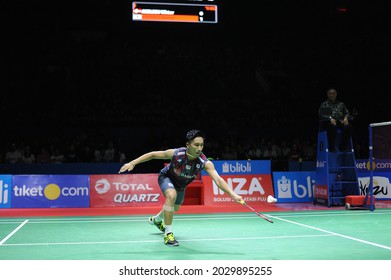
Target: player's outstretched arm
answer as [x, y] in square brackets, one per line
[167, 154]
[221, 183]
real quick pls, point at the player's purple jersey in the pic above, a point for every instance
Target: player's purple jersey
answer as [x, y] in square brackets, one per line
[183, 171]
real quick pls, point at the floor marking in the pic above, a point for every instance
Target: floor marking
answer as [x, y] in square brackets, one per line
[334, 233]
[182, 240]
[13, 232]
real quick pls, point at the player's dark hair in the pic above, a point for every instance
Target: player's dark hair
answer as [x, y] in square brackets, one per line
[193, 134]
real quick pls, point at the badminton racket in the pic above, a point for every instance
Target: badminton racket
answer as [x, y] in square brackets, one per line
[257, 213]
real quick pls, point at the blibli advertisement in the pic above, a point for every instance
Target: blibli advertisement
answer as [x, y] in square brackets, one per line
[235, 167]
[50, 191]
[5, 191]
[294, 186]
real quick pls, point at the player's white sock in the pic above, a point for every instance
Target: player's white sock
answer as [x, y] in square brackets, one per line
[167, 229]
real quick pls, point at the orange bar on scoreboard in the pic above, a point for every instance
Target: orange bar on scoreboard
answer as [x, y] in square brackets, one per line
[190, 18]
[210, 8]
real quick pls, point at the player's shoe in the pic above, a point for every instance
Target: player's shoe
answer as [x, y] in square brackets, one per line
[169, 240]
[159, 225]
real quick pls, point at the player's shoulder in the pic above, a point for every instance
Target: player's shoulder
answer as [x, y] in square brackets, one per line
[205, 160]
[177, 152]
[203, 157]
[208, 165]
[180, 150]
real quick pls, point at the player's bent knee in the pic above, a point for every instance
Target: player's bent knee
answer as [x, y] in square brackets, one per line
[168, 208]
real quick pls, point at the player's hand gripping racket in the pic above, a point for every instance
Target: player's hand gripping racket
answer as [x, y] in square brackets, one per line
[257, 213]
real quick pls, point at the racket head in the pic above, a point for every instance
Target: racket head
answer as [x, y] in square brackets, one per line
[263, 217]
[256, 212]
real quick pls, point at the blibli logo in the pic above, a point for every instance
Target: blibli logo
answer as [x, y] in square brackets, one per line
[3, 193]
[285, 188]
[237, 167]
[320, 163]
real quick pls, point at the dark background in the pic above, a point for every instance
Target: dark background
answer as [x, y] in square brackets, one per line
[82, 67]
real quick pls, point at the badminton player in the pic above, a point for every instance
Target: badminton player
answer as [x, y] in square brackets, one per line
[186, 163]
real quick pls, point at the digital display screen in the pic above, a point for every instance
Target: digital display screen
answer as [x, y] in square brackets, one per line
[176, 11]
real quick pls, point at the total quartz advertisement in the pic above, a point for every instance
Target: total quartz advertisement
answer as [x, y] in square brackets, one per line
[125, 190]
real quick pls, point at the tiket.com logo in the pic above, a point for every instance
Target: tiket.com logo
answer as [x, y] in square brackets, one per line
[3, 193]
[50, 191]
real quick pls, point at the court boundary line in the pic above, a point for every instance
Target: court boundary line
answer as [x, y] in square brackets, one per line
[159, 241]
[12, 233]
[334, 233]
[279, 216]
[186, 217]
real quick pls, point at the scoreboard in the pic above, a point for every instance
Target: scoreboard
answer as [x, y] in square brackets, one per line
[185, 11]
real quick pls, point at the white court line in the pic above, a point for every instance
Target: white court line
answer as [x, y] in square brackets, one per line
[192, 217]
[158, 241]
[138, 220]
[13, 232]
[329, 214]
[334, 233]
[203, 218]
